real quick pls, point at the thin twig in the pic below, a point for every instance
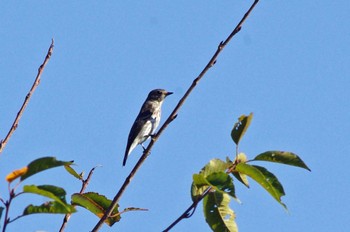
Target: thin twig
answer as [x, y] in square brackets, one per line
[188, 213]
[18, 217]
[171, 117]
[85, 183]
[192, 207]
[7, 209]
[27, 98]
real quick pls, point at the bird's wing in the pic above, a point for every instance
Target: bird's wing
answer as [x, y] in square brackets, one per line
[144, 115]
[135, 130]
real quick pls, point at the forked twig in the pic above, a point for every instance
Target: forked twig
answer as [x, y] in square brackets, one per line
[85, 183]
[171, 117]
[27, 98]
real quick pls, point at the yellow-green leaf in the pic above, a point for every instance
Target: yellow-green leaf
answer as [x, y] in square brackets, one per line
[214, 165]
[221, 181]
[199, 186]
[97, 204]
[282, 157]
[217, 212]
[265, 178]
[241, 178]
[71, 171]
[50, 191]
[53, 192]
[241, 158]
[241, 127]
[200, 182]
[53, 207]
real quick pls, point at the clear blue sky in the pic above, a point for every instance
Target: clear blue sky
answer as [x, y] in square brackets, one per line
[289, 65]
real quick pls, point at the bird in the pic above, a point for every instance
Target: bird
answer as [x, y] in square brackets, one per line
[146, 121]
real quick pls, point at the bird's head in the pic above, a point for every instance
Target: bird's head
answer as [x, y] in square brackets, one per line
[158, 94]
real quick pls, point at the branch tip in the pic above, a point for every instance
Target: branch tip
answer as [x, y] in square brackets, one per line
[212, 61]
[27, 98]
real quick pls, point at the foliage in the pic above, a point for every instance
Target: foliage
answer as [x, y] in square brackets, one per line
[57, 195]
[97, 204]
[215, 186]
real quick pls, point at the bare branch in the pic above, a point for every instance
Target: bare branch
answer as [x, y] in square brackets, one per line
[85, 183]
[27, 98]
[171, 117]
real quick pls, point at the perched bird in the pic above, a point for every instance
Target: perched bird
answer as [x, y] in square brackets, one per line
[146, 121]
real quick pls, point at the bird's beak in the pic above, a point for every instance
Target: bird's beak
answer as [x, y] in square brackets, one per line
[168, 93]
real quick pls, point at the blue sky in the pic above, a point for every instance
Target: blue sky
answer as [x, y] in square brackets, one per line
[289, 65]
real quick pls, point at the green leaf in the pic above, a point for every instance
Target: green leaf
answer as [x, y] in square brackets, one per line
[52, 207]
[42, 164]
[200, 180]
[196, 191]
[241, 127]
[241, 158]
[200, 183]
[214, 165]
[199, 186]
[217, 212]
[55, 193]
[71, 171]
[97, 204]
[265, 178]
[221, 181]
[282, 157]
[241, 178]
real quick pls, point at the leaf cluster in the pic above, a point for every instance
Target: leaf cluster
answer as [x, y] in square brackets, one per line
[56, 204]
[215, 182]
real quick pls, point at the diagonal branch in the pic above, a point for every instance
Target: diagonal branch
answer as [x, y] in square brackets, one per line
[27, 98]
[171, 117]
[210, 64]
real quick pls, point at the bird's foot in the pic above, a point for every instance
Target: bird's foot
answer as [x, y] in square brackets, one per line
[152, 136]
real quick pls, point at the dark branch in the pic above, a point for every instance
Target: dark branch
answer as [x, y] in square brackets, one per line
[190, 210]
[192, 207]
[171, 117]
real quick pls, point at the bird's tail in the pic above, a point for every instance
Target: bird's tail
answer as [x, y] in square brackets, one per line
[125, 158]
